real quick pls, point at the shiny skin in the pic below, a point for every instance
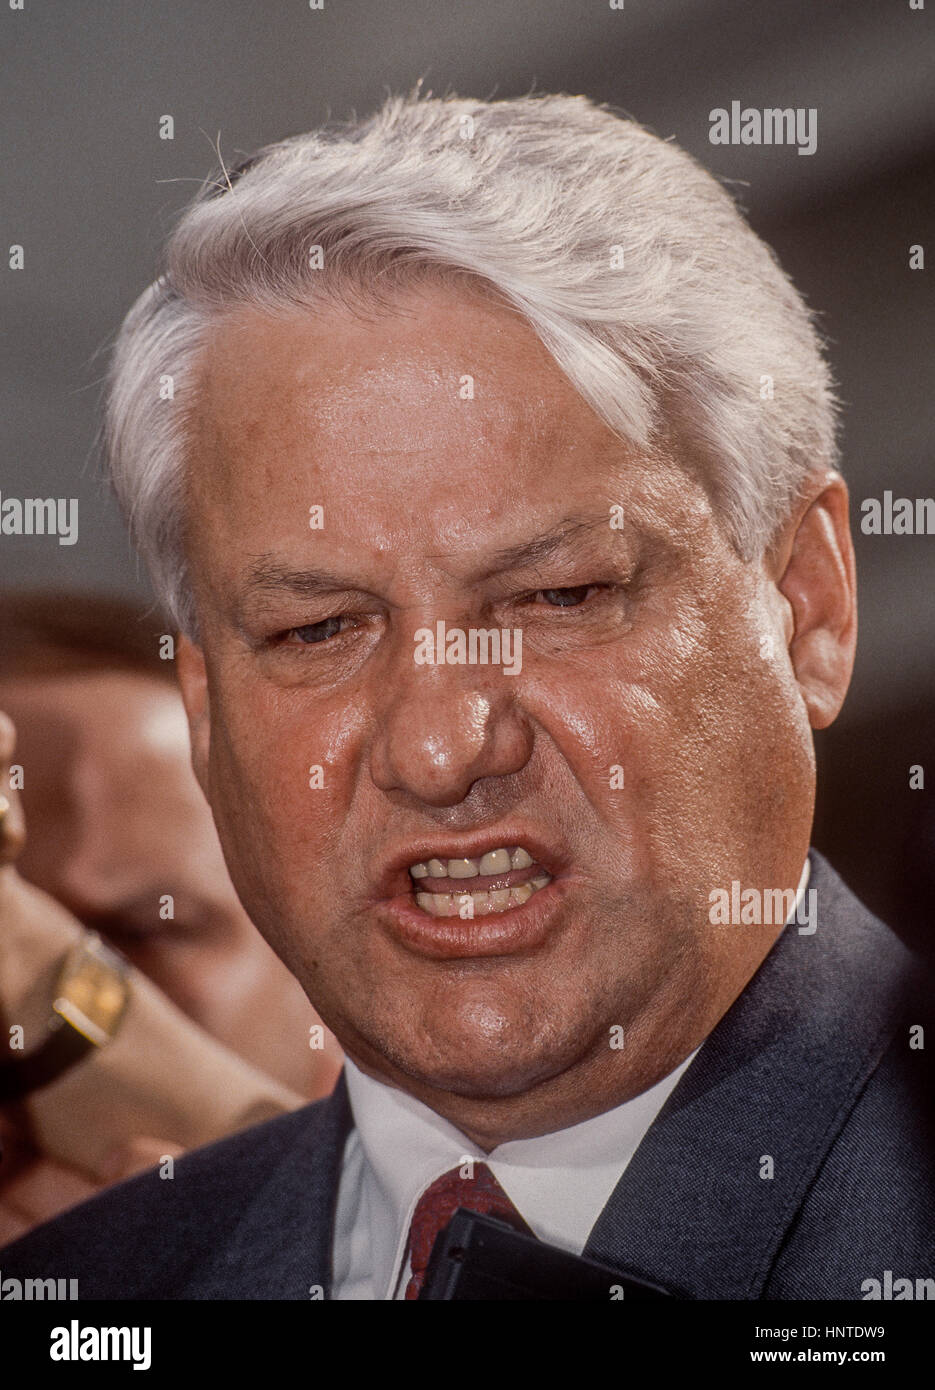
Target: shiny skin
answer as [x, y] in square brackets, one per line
[658, 669]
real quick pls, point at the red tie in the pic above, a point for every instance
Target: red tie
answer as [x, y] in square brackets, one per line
[438, 1204]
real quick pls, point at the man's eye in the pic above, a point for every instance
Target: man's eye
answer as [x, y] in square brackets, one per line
[566, 598]
[314, 632]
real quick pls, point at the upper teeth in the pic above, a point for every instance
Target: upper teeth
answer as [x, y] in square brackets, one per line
[495, 861]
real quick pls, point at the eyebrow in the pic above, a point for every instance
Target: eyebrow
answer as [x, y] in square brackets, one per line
[528, 553]
[266, 576]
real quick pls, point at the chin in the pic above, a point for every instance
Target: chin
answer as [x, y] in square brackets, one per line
[499, 1086]
[483, 1071]
[475, 1083]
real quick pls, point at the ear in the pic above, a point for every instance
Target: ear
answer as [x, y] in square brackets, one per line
[193, 681]
[813, 568]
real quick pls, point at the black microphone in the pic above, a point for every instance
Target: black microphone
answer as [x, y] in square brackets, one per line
[481, 1258]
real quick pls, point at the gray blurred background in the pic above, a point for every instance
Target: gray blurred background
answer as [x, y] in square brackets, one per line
[89, 190]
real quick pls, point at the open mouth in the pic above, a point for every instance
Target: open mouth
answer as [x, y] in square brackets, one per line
[498, 881]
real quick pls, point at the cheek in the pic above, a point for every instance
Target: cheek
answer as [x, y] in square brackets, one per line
[612, 736]
[282, 776]
[726, 761]
[661, 732]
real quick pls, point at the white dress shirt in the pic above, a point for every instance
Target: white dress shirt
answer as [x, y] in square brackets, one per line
[559, 1182]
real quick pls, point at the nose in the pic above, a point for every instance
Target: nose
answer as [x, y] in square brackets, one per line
[443, 728]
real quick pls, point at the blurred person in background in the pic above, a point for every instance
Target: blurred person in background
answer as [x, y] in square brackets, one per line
[101, 1076]
[121, 835]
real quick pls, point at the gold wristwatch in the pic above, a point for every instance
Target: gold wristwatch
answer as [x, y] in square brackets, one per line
[91, 998]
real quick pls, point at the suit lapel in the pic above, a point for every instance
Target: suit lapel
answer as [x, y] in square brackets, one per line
[775, 1080]
[281, 1247]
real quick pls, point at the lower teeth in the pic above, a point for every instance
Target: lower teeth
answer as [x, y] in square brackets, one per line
[468, 905]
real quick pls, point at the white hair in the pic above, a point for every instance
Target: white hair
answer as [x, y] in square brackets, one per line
[631, 263]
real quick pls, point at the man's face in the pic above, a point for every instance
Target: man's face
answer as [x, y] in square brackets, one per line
[119, 832]
[651, 748]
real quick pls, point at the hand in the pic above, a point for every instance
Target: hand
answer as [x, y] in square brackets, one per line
[37, 1188]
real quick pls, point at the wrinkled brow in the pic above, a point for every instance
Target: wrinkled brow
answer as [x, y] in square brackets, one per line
[565, 534]
[266, 575]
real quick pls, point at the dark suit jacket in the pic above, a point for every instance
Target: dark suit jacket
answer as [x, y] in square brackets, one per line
[812, 1066]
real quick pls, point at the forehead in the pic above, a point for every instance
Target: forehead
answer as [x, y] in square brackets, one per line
[398, 382]
[442, 418]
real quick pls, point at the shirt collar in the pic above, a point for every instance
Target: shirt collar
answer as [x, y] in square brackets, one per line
[558, 1182]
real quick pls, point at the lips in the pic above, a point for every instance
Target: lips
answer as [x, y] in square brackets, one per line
[501, 860]
[511, 859]
[518, 922]
[470, 915]
[484, 883]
